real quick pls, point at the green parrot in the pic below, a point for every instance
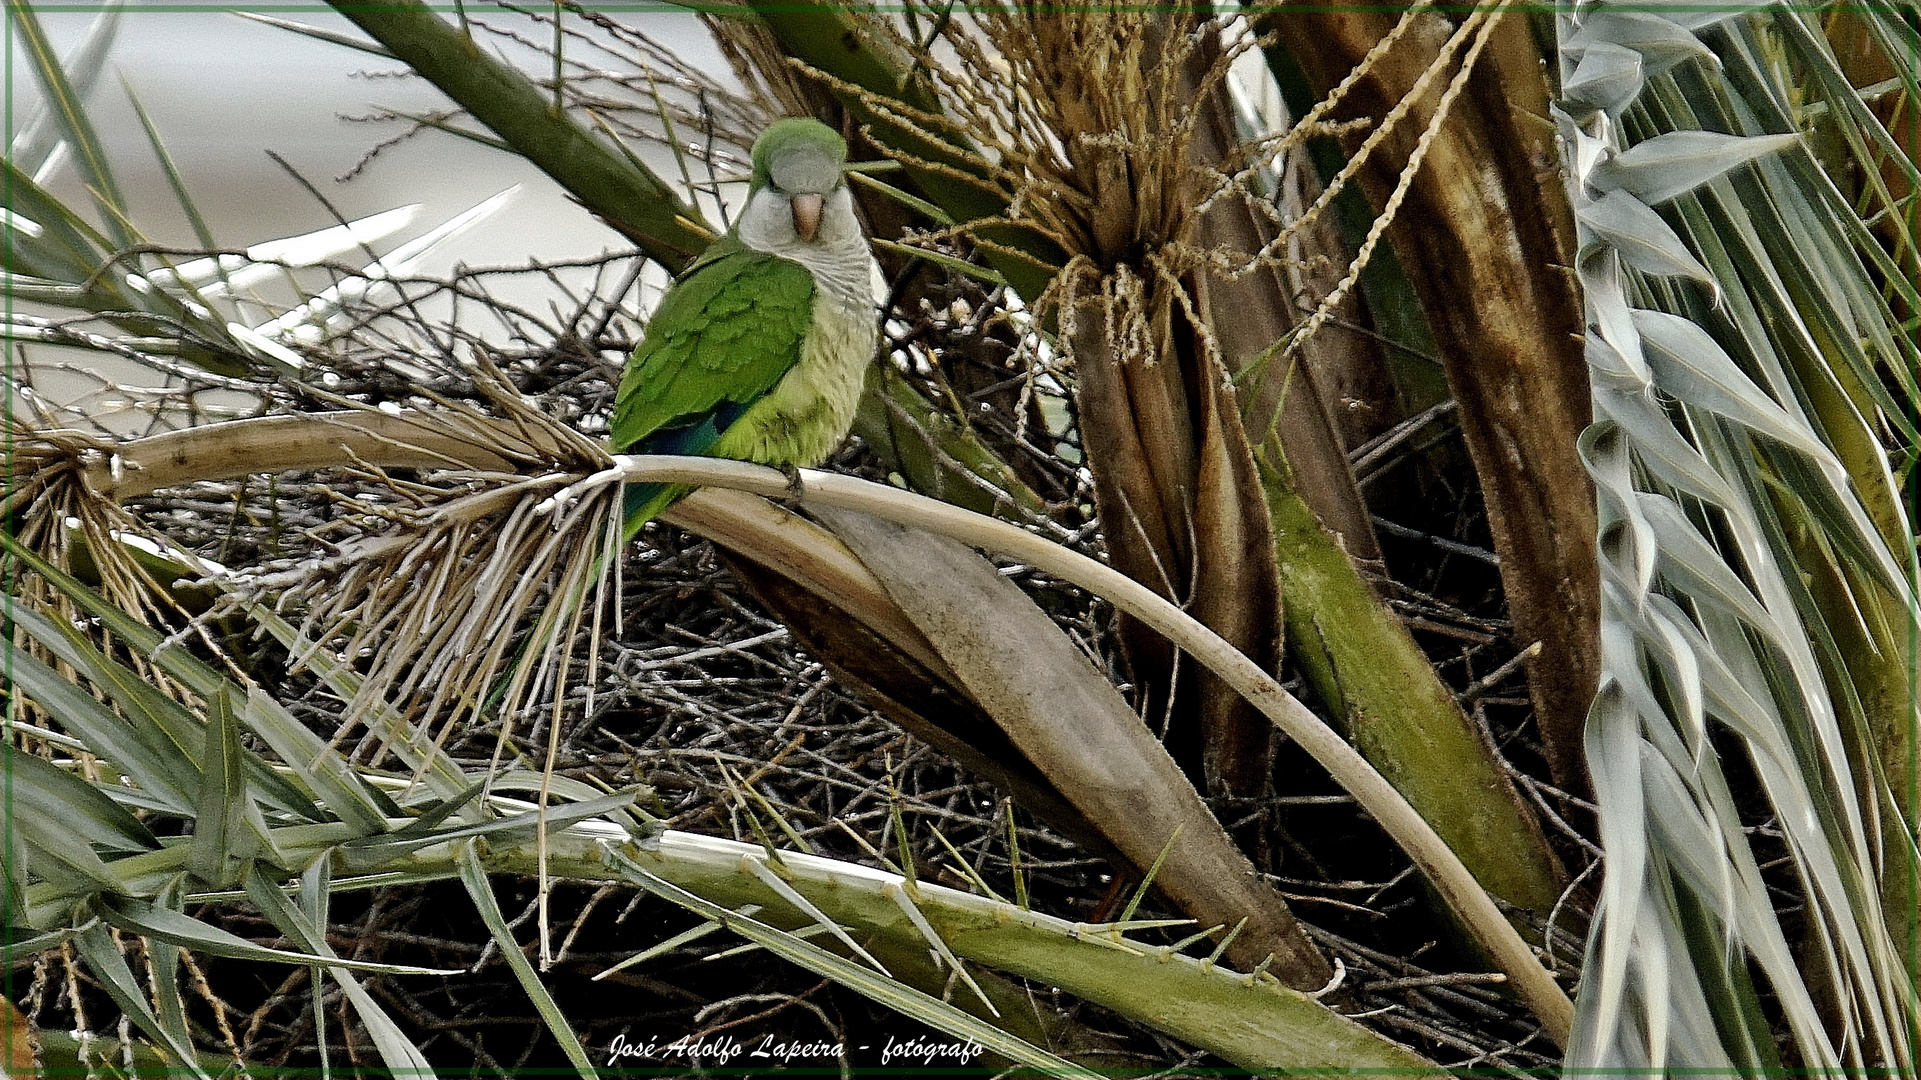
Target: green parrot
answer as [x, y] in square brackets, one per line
[758, 350]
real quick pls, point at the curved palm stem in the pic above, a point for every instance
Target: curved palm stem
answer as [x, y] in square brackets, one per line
[146, 465]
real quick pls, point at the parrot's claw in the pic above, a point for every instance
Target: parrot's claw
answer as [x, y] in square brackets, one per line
[794, 489]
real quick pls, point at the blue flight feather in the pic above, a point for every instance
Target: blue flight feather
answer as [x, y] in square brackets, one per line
[691, 439]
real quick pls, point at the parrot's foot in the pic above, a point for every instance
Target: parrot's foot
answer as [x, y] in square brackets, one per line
[794, 489]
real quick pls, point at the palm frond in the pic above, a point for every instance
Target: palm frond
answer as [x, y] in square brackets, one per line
[93, 859]
[1733, 299]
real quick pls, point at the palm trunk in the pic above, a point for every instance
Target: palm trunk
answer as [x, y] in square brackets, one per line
[1482, 237]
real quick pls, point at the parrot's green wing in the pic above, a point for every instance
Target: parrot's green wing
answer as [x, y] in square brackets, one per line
[723, 336]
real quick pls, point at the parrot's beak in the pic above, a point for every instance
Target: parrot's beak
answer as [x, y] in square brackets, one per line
[807, 215]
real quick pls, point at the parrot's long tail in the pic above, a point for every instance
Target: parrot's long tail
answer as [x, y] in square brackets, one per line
[644, 502]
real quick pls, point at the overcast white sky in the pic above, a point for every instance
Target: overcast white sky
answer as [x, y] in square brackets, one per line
[223, 90]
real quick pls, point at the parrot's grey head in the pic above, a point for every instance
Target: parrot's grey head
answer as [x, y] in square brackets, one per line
[799, 192]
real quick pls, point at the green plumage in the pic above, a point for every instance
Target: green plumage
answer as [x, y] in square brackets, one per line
[729, 329]
[726, 332]
[756, 352]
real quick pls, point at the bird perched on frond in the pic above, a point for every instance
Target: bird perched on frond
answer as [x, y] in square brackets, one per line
[758, 350]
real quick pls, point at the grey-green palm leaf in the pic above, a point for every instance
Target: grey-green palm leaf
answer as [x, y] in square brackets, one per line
[1749, 365]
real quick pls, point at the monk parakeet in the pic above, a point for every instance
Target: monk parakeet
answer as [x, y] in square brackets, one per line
[758, 350]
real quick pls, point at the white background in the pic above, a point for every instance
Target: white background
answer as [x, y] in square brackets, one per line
[223, 90]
